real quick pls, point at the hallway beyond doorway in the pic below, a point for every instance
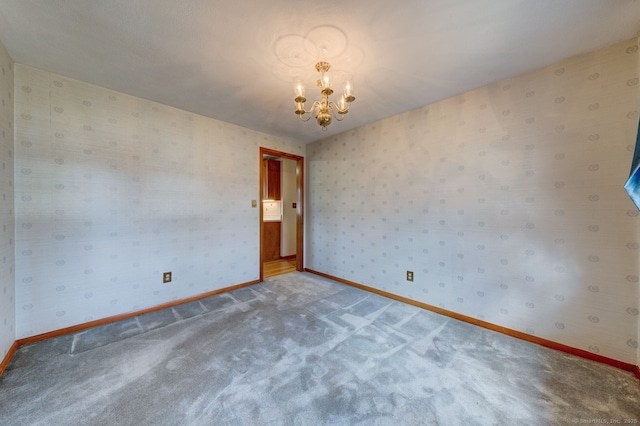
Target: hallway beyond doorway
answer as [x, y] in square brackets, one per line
[279, 266]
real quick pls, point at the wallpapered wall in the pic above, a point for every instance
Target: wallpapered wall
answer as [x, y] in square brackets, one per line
[113, 190]
[7, 288]
[507, 202]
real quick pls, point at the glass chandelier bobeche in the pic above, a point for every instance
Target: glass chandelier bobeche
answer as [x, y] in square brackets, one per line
[325, 110]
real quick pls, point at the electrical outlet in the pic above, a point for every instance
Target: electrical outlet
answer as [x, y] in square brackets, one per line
[166, 277]
[409, 275]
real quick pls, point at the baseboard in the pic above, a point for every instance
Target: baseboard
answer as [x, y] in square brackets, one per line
[8, 357]
[543, 342]
[79, 327]
[513, 333]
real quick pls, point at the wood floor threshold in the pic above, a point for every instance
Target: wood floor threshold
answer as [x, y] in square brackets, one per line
[84, 326]
[284, 265]
[635, 369]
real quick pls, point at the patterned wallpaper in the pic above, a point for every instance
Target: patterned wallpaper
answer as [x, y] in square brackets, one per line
[7, 248]
[507, 202]
[113, 190]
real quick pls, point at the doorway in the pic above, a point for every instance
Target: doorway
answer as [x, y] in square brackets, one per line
[295, 206]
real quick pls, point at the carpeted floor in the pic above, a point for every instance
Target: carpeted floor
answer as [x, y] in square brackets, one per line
[299, 349]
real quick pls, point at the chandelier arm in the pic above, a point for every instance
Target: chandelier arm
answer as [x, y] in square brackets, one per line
[314, 105]
[302, 113]
[342, 112]
[305, 119]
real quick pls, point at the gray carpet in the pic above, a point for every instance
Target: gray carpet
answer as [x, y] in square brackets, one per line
[299, 349]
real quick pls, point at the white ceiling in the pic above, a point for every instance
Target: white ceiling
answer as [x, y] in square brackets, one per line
[235, 60]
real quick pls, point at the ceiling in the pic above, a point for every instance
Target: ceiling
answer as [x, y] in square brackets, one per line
[235, 61]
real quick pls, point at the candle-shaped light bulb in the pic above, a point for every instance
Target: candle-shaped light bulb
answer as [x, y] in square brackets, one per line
[342, 104]
[325, 81]
[348, 92]
[298, 88]
[347, 89]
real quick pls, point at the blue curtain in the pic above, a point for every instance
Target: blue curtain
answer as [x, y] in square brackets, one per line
[633, 183]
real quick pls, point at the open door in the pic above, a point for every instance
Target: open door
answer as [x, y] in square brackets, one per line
[270, 153]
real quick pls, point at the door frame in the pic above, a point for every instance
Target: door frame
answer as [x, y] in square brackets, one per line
[299, 205]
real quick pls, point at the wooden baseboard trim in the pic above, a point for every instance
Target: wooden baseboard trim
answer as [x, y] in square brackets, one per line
[103, 321]
[8, 357]
[517, 334]
[513, 333]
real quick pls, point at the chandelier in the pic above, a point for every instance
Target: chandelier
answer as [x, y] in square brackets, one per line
[324, 109]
